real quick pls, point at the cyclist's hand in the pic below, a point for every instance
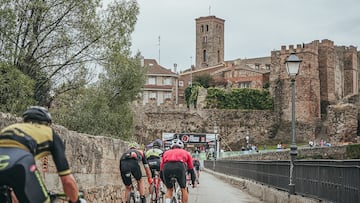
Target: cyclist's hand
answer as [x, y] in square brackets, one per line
[150, 180]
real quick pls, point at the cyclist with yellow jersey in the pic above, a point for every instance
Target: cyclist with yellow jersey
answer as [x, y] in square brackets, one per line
[23, 143]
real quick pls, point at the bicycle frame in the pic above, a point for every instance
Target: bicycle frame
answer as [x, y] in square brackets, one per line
[134, 195]
[157, 194]
[177, 195]
[5, 195]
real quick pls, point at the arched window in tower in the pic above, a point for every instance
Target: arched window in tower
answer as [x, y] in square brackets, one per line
[204, 56]
[202, 28]
[218, 56]
[204, 39]
[207, 28]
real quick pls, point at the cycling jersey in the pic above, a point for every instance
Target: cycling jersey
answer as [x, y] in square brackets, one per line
[130, 165]
[177, 155]
[40, 140]
[140, 155]
[153, 153]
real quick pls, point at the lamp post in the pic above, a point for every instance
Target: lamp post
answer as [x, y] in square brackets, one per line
[292, 65]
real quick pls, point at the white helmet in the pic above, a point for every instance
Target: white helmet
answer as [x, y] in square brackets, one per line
[177, 143]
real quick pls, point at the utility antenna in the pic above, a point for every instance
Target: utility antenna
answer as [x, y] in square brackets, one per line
[209, 10]
[159, 49]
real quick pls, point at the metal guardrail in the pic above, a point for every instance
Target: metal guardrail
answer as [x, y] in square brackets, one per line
[334, 180]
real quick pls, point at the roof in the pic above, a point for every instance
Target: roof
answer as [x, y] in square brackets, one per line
[155, 69]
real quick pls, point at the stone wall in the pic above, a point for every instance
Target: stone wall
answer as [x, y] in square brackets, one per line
[94, 161]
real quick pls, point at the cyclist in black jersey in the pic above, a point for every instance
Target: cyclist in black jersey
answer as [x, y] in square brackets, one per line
[23, 143]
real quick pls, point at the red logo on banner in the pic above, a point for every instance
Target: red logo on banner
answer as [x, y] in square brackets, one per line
[185, 138]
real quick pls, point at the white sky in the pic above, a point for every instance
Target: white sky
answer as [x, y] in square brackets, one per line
[253, 28]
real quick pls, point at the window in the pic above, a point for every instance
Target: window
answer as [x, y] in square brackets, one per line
[244, 85]
[181, 83]
[167, 81]
[152, 95]
[207, 28]
[202, 28]
[204, 56]
[218, 56]
[204, 39]
[151, 81]
[257, 66]
[167, 95]
[267, 66]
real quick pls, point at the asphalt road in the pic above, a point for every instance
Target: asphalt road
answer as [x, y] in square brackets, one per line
[214, 190]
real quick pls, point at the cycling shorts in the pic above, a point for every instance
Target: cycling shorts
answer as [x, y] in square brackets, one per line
[176, 170]
[128, 167]
[154, 164]
[18, 171]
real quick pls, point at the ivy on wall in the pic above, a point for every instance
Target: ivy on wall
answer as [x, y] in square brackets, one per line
[244, 98]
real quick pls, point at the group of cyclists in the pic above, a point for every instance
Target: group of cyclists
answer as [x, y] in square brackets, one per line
[173, 163]
[22, 144]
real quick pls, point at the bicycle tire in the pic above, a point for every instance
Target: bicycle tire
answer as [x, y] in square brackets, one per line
[153, 196]
[131, 198]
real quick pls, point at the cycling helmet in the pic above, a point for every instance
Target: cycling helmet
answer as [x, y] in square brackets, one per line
[37, 114]
[177, 143]
[133, 145]
[156, 144]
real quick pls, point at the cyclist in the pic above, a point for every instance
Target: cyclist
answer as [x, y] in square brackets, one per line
[153, 156]
[197, 164]
[175, 163]
[130, 163]
[23, 143]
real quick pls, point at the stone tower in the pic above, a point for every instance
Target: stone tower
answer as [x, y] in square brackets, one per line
[209, 41]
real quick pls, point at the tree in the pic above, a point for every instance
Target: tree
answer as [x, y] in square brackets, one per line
[15, 89]
[204, 80]
[51, 41]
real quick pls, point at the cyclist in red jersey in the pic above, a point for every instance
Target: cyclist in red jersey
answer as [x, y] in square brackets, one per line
[175, 163]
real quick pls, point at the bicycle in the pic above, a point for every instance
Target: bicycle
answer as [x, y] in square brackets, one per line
[157, 195]
[177, 195]
[6, 197]
[134, 194]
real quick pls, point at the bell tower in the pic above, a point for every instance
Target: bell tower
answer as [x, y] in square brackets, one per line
[209, 41]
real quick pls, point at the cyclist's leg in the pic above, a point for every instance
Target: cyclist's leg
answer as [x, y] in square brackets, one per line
[136, 171]
[181, 178]
[28, 185]
[126, 177]
[168, 172]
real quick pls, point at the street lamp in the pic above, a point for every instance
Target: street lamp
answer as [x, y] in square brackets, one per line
[292, 66]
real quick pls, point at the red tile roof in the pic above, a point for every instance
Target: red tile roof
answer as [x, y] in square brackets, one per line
[155, 69]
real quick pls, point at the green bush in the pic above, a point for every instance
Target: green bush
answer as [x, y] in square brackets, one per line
[353, 151]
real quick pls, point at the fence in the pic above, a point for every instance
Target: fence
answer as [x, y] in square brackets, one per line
[334, 181]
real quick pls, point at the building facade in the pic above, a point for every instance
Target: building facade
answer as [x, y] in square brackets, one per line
[161, 85]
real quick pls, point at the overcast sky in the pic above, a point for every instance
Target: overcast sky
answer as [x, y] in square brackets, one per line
[253, 28]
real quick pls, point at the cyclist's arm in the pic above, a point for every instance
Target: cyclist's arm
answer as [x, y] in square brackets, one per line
[70, 187]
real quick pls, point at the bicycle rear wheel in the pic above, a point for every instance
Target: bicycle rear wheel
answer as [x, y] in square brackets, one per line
[153, 196]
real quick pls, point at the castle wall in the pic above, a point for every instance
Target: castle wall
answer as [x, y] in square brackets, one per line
[307, 93]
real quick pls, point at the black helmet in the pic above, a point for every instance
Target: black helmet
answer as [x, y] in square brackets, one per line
[156, 143]
[37, 114]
